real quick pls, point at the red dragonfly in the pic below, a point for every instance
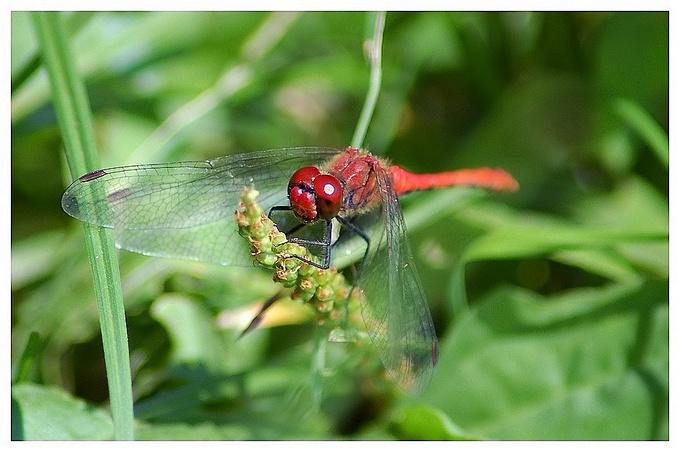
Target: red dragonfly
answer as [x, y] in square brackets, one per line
[186, 210]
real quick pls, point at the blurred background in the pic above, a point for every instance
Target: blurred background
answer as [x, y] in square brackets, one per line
[551, 304]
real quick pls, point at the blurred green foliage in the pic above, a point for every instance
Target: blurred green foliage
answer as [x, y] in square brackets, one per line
[551, 304]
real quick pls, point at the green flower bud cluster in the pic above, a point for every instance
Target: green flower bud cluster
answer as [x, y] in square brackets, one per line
[326, 290]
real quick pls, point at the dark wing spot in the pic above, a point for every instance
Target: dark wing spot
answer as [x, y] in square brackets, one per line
[92, 176]
[118, 195]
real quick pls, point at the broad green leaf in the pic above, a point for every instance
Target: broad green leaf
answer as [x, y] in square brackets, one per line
[426, 423]
[44, 413]
[194, 334]
[588, 364]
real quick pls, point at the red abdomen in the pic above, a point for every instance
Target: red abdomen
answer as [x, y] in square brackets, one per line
[357, 171]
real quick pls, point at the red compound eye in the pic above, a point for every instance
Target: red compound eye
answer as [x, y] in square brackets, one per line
[328, 192]
[301, 194]
[304, 176]
[303, 203]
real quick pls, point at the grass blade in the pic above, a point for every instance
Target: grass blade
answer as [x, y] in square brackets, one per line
[75, 121]
[645, 125]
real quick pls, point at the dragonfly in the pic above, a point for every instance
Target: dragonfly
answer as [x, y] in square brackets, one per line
[186, 210]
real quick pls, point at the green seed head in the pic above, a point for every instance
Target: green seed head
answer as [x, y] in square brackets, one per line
[325, 290]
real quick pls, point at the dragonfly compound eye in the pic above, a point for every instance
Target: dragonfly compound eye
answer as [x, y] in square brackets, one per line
[328, 191]
[303, 203]
[304, 176]
[301, 194]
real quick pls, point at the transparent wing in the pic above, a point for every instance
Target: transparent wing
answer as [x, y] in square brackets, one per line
[185, 210]
[395, 309]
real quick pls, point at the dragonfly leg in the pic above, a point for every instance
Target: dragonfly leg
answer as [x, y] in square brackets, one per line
[325, 243]
[358, 231]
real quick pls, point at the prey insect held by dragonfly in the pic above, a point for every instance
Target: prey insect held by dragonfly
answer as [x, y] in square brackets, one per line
[185, 210]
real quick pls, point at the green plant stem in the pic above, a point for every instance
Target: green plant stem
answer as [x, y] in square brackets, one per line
[374, 53]
[75, 122]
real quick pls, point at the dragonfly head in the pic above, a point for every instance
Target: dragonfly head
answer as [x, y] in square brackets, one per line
[314, 196]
